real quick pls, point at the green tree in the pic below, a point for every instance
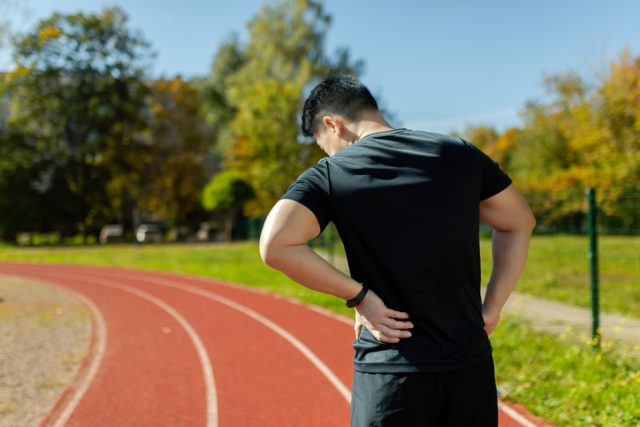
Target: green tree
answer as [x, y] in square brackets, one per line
[617, 102]
[77, 93]
[283, 57]
[484, 137]
[17, 195]
[582, 136]
[177, 163]
[228, 192]
[217, 108]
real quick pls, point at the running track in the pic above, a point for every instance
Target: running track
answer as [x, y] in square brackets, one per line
[180, 350]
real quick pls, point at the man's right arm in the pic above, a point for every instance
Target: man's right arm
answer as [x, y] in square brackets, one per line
[508, 213]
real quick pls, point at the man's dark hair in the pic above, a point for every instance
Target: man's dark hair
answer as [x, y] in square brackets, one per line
[342, 95]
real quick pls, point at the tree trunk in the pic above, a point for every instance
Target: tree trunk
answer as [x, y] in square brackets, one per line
[228, 225]
[83, 230]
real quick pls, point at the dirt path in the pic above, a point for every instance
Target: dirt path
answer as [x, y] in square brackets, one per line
[556, 317]
[44, 334]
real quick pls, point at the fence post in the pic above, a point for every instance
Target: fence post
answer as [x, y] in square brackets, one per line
[593, 268]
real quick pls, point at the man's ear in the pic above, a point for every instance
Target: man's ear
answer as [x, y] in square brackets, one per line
[334, 124]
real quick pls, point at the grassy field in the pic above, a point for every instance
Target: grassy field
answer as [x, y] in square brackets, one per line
[239, 262]
[563, 381]
[558, 268]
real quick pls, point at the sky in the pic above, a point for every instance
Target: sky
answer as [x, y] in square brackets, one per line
[436, 65]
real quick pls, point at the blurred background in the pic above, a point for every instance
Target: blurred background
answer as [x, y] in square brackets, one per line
[159, 135]
[151, 121]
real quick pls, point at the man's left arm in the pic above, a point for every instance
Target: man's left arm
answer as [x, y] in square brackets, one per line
[283, 246]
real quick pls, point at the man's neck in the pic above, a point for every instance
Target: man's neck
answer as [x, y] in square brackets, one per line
[371, 124]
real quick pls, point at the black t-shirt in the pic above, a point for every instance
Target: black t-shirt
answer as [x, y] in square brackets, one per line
[405, 204]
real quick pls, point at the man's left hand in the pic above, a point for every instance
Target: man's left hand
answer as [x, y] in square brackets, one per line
[383, 322]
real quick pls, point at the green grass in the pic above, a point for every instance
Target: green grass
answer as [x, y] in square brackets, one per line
[558, 268]
[566, 382]
[562, 381]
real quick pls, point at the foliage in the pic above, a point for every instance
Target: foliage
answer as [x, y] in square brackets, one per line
[77, 94]
[227, 190]
[216, 106]
[177, 164]
[91, 136]
[585, 136]
[283, 56]
[18, 167]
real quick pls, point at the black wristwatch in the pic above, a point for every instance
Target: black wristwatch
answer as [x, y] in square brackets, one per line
[358, 298]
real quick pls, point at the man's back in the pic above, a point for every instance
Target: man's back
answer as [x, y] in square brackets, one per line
[406, 206]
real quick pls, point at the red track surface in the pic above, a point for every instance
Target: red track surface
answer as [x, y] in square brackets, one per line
[273, 361]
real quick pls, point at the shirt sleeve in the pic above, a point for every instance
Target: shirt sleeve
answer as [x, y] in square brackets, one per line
[493, 178]
[311, 189]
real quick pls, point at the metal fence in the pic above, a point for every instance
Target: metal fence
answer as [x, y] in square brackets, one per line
[606, 223]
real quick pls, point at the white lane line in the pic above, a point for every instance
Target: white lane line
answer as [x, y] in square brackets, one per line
[339, 317]
[101, 336]
[101, 345]
[343, 319]
[315, 360]
[212, 400]
[216, 282]
[515, 415]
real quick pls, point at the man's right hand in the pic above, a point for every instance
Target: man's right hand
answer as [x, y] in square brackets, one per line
[385, 324]
[491, 320]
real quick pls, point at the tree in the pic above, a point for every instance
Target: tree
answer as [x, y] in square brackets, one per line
[77, 94]
[178, 161]
[617, 102]
[283, 57]
[583, 136]
[228, 191]
[484, 137]
[217, 108]
[17, 194]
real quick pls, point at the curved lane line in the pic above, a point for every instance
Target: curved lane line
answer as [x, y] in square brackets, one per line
[212, 404]
[315, 360]
[218, 282]
[515, 415]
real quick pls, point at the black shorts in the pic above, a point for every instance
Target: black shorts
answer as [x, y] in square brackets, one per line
[466, 397]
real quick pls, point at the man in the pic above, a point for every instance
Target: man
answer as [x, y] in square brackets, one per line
[407, 206]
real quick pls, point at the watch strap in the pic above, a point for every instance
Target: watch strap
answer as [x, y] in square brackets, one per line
[358, 298]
